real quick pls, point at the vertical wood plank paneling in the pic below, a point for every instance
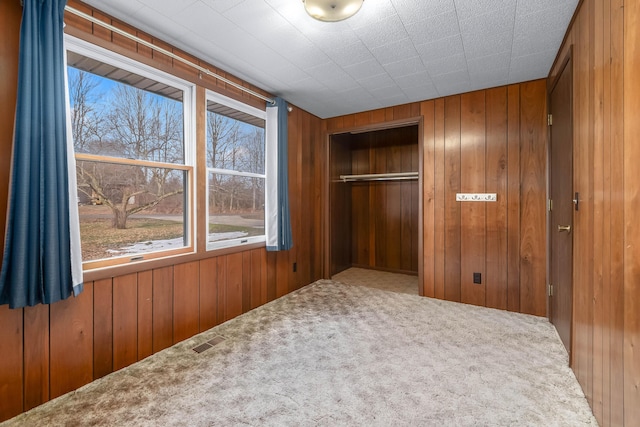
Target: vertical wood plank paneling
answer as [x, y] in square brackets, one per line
[631, 216]
[513, 198]
[81, 335]
[186, 313]
[606, 213]
[145, 314]
[616, 293]
[247, 278]
[473, 215]
[597, 119]
[71, 343]
[429, 199]
[221, 270]
[162, 308]
[11, 372]
[102, 327]
[208, 294]
[439, 199]
[256, 298]
[264, 298]
[233, 295]
[533, 189]
[125, 320]
[11, 321]
[581, 264]
[496, 182]
[36, 355]
[452, 222]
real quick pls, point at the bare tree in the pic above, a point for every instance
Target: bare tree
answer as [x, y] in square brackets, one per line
[138, 126]
[86, 117]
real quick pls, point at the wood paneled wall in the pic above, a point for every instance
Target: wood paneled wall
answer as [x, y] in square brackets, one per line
[604, 40]
[490, 141]
[136, 311]
[374, 224]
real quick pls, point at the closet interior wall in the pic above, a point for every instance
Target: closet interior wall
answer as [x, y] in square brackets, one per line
[374, 223]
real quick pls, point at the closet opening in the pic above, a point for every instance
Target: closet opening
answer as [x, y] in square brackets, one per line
[374, 202]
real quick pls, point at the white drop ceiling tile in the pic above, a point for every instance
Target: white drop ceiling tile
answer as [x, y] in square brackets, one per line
[490, 62]
[255, 17]
[441, 48]
[528, 7]
[285, 68]
[434, 28]
[547, 20]
[469, 8]
[116, 7]
[383, 32]
[398, 98]
[373, 82]
[385, 92]
[405, 67]
[217, 5]
[476, 47]
[347, 55]
[414, 80]
[370, 12]
[454, 88]
[525, 44]
[416, 10]
[306, 58]
[149, 18]
[484, 77]
[332, 76]
[205, 22]
[457, 77]
[394, 52]
[365, 69]
[447, 65]
[422, 93]
[497, 21]
[165, 7]
[540, 62]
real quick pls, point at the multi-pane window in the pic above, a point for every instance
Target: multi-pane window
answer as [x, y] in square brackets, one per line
[132, 139]
[235, 172]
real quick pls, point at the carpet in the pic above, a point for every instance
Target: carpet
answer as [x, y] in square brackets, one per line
[332, 354]
[386, 281]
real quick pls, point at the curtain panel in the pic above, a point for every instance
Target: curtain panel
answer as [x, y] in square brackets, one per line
[278, 229]
[41, 262]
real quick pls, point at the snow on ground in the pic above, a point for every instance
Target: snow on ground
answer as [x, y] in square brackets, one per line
[160, 245]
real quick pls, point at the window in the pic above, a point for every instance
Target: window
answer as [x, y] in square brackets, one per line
[235, 172]
[132, 131]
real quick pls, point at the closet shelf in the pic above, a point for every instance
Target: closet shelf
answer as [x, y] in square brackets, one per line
[397, 176]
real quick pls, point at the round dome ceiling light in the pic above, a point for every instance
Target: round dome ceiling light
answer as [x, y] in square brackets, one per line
[332, 10]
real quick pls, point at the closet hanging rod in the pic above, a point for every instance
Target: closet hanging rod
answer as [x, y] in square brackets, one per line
[396, 176]
[167, 53]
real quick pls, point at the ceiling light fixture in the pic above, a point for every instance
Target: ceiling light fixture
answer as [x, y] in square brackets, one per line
[332, 10]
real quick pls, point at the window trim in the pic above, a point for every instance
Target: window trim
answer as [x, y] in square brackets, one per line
[188, 89]
[256, 112]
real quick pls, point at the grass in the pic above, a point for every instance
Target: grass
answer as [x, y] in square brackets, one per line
[98, 235]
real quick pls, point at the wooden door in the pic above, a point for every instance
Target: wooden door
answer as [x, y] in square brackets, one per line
[562, 206]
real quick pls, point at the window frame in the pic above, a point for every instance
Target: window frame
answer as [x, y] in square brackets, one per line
[188, 89]
[258, 113]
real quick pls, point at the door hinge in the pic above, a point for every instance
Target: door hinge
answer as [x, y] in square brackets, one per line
[549, 205]
[550, 289]
[549, 119]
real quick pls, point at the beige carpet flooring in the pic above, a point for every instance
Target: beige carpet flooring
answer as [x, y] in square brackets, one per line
[332, 354]
[393, 282]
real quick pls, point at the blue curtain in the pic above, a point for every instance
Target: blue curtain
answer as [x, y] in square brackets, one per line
[36, 264]
[283, 239]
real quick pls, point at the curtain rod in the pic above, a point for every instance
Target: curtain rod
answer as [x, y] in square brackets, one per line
[166, 52]
[396, 176]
